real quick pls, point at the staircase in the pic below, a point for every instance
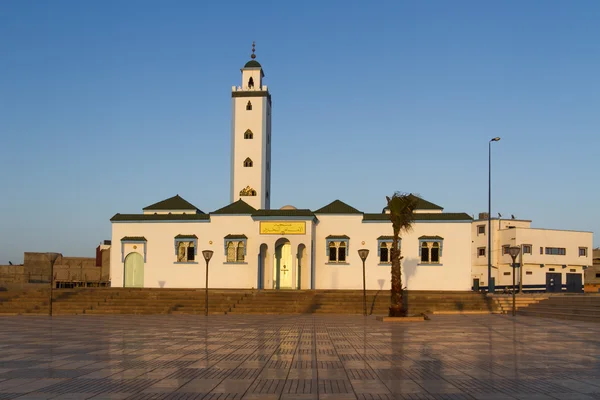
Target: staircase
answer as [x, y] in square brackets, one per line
[503, 303]
[351, 302]
[34, 302]
[232, 301]
[275, 302]
[569, 307]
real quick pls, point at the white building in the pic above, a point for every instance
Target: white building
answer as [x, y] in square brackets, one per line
[551, 260]
[289, 248]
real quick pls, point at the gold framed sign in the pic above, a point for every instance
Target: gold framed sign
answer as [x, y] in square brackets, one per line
[282, 228]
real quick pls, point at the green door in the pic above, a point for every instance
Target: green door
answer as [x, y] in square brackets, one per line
[134, 270]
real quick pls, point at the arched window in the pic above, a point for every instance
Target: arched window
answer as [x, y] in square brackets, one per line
[230, 252]
[251, 83]
[248, 134]
[384, 255]
[247, 191]
[240, 252]
[332, 252]
[435, 253]
[249, 106]
[248, 162]
[424, 252]
[342, 252]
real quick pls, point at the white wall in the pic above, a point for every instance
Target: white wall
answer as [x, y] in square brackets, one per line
[454, 272]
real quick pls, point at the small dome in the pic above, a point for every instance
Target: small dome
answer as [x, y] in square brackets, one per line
[252, 64]
[288, 207]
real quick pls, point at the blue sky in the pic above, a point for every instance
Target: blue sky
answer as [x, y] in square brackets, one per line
[110, 106]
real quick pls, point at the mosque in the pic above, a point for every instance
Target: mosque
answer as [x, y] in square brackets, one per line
[255, 246]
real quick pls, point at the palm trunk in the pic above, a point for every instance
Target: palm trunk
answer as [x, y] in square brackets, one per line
[397, 305]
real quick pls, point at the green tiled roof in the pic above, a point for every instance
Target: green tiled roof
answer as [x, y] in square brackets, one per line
[338, 237]
[422, 217]
[134, 239]
[173, 203]
[431, 237]
[386, 238]
[422, 204]
[186, 237]
[283, 213]
[239, 207]
[337, 207]
[159, 217]
[252, 64]
[230, 236]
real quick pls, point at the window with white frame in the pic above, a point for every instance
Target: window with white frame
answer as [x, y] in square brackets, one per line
[527, 249]
[384, 248]
[186, 247]
[235, 248]
[430, 248]
[583, 251]
[505, 249]
[337, 248]
[480, 230]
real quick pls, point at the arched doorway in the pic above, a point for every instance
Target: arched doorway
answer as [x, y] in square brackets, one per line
[263, 260]
[282, 265]
[134, 270]
[301, 256]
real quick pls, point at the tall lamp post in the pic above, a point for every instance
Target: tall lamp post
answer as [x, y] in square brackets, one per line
[514, 253]
[52, 257]
[489, 247]
[207, 256]
[363, 254]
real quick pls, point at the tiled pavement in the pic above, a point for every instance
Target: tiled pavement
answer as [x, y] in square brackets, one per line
[297, 357]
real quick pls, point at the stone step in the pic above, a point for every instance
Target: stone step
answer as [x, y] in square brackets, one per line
[559, 315]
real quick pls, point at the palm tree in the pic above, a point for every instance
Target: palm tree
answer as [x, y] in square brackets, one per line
[401, 207]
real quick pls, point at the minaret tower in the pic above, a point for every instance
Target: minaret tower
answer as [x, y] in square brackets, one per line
[251, 138]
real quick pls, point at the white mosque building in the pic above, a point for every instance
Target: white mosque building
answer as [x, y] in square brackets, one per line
[255, 246]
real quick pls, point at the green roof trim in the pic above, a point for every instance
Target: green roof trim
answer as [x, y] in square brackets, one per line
[186, 237]
[133, 239]
[173, 203]
[159, 217]
[230, 236]
[283, 213]
[422, 217]
[337, 207]
[338, 237]
[431, 238]
[386, 238]
[238, 207]
[252, 64]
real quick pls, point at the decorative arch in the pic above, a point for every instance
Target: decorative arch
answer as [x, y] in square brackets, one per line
[249, 105]
[248, 162]
[248, 134]
[247, 191]
[251, 83]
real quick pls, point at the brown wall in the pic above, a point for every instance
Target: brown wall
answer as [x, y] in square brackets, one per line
[12, 274]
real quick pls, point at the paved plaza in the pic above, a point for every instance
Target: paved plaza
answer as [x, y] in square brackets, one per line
[297, 357]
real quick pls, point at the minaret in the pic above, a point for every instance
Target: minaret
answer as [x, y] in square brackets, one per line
[251, 138]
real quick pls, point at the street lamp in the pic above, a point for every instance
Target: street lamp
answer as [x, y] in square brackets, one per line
[52, 257]
[514, 252]
[363, 254]
[207, 255]
[489, 247]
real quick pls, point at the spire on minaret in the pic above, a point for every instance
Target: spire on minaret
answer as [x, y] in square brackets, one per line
[253, 56]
